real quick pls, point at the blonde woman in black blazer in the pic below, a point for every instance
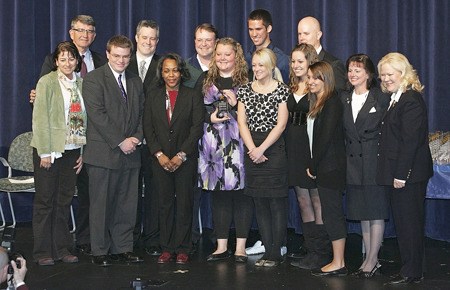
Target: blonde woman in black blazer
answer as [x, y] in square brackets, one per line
[404, 161]
[364, 107]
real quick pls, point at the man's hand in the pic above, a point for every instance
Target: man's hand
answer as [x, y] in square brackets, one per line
[79, 164]
[19, 274]
[32, 96]
[128, 145]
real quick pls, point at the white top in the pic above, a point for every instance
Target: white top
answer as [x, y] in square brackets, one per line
[310, 131]
[357, 103]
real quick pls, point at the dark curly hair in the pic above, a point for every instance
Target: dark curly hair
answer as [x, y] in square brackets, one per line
[181, 64]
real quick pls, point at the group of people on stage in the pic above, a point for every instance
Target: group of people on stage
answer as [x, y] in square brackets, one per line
[244, 127]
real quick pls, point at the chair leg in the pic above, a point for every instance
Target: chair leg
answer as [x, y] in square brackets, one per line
[13, 214]
[200, 226]
[74, 226]
[3, 218]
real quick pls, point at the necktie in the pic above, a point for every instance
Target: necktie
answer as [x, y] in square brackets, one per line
[83, 70]
[122, 89]
[142, 70]
[392, 104]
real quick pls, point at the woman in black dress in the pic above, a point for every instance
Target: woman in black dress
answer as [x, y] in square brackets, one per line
[297, 143]
[262, 118]
[364, 108]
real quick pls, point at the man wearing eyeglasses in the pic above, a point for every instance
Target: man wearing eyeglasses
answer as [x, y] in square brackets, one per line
[145, 63]
[114, 100]
[82, 32]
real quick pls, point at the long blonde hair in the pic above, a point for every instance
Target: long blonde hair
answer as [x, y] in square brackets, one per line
[399, 62]
[324, 72]
[240, 72]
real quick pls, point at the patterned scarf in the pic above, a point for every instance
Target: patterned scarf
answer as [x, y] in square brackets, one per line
[76, 126]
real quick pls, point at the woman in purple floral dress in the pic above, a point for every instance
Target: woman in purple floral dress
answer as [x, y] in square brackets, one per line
[221, 162]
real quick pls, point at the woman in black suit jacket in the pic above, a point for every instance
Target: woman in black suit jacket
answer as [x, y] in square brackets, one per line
[173, 124]
[327, 165]
[404, 161]
[364, 108]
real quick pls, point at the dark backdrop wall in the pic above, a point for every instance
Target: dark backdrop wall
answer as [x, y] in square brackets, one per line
[30, 29]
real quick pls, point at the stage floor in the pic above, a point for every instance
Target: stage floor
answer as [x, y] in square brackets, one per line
[199, 274]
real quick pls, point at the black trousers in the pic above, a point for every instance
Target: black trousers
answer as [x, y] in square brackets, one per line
[82, 214]
[333, 213]
[55, 188]
[229, 205]
[271, 214]
[408, 211]
[175, 199]
[147, 215]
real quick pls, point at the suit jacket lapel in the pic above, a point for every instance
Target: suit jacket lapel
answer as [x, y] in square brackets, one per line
[348, 116]
[364, 112]
[178, 105]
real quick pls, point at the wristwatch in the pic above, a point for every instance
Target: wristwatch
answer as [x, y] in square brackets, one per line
[182, 156]
[158, 154]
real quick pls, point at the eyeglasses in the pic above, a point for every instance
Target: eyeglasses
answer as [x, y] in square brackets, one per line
[121, 57]
[83, 31]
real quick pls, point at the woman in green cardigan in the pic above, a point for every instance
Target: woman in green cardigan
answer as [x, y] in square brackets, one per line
[59, 133]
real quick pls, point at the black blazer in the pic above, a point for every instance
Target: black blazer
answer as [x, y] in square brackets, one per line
[110, 119]
[338, 68]
[404, 152]
[47, 66]
[362, 136]
[150, 76]
[185, 128]
[328, 149]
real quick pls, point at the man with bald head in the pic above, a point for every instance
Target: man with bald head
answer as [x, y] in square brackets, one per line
[309, 32]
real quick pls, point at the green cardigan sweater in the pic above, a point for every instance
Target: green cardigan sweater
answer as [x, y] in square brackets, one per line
[49, 123]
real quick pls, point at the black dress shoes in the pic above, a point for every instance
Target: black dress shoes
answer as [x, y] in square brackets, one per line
[336, 273]
[153, 251]
[102, 261]
[84, 249]
[240, 259]
[128, 257]
[399, 279]
[217, 257]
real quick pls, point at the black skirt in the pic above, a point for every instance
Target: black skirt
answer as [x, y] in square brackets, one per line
[267, 179]
[367, 202]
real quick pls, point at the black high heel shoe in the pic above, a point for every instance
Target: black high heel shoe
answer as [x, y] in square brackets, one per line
[357, 272]
[371, 273]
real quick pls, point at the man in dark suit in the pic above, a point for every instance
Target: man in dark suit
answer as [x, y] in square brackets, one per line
[145, 63]
[309, 32]
[82, 32]
[114, 105]
[205, 40]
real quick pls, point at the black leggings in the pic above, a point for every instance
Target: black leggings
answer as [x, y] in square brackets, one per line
[228, 205]
[271, 214]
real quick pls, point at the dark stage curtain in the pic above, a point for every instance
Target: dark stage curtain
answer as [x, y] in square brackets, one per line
[30, 29]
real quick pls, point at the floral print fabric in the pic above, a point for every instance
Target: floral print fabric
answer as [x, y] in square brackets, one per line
[221, 152]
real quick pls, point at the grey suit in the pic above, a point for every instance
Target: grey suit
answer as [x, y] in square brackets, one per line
[113, 174]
